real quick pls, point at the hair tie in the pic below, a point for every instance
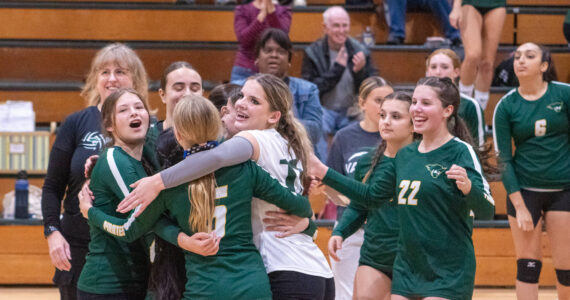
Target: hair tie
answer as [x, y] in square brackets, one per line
[200, 147]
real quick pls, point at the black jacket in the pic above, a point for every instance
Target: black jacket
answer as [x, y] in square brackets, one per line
[317, 61]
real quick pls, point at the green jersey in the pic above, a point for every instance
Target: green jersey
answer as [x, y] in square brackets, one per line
[237, 270]
[382, 229]
[472, 113]
[567, 18]
[485, 3]
[435, 251]
[113, 266]
[540, 131]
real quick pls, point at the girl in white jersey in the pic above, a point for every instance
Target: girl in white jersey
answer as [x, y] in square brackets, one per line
[272, 137]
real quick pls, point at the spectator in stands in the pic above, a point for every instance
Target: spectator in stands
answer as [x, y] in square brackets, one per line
[337, 64]
[115, 66]
[446, 63]
[396, 18]
[274, 51]
[536, 116]
[481, 23]
[249, 22]
[348, 145]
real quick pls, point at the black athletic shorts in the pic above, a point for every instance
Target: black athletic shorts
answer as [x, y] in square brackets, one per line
[485, 8]
[539, 203]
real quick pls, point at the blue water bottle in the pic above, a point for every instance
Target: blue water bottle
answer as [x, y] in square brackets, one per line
[21, 206]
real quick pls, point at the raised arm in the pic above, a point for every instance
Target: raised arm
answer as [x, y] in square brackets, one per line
[235, 150]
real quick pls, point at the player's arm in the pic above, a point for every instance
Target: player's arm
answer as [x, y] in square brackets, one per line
[376, 193]
[269, 189]
[351, 220]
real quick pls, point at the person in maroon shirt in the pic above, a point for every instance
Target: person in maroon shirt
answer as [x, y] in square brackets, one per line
[249, 22]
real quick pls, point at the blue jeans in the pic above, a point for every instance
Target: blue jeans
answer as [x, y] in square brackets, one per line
[396, 15]
[240, 74]
[333, 121]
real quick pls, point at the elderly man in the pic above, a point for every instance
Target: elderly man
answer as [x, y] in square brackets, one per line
[337, 64]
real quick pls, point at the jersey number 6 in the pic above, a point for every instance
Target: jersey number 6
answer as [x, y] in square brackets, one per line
[540, 127]
[405, 185]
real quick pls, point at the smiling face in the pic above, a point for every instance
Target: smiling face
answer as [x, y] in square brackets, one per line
[528, 61]
[371, 105]
[179, 83]
[130, 120]
[273, 59]
[395, 123]
[337, 27]
[253, 110]
[441, 65]
[111, 77]
[427, 112]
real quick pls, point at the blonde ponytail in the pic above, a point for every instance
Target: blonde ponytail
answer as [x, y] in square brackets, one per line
[196, 120]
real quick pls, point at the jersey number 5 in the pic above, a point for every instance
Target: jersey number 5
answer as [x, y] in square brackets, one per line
[405, 185]
[540, 127]
[220, 212]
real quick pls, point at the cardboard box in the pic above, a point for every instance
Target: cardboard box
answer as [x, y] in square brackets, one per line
[24, 151]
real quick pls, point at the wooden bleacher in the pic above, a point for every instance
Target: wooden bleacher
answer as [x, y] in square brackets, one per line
[46, 48]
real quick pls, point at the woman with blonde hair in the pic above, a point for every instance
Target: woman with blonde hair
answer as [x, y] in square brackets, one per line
[115, 66]
[271, 136]
[219, 203]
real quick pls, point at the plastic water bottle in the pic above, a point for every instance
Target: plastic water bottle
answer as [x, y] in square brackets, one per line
[21, 207]
[368, 37]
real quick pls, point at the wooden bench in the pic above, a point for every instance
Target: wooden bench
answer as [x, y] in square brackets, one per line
[25, 258]
[186, 23]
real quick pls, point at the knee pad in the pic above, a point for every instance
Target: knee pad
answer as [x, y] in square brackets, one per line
[563, 277]
[528, 270]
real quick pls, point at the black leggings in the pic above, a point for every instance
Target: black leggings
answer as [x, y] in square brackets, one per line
[287, 285]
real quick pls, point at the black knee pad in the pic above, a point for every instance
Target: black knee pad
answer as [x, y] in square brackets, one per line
[563, 277]
[528, 270]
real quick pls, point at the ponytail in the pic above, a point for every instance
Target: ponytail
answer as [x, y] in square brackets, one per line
[298, 140]
[202, 195]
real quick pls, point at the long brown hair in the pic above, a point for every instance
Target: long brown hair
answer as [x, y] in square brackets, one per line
[126, 58]
[448, 94]
[400, 96]
[280, 99]
[196, 121]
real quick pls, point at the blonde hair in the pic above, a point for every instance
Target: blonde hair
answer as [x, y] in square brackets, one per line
[280, 99]
[447, 52]
[196, 120]
[126, 58]
[369, 84]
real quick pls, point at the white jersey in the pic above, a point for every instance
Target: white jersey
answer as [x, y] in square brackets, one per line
[297, 252]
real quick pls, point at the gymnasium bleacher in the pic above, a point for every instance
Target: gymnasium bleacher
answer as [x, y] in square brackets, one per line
[46, 48]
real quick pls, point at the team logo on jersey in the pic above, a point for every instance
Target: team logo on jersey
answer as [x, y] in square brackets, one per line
[556, 106]
[221, 192]
[93, 141]
[352, 161]
[435, 170]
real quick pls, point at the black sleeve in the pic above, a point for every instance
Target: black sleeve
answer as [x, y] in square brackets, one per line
[326, 81]
[58, 172]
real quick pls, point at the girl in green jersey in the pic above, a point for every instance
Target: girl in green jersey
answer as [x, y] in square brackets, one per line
[445, 63]
[436, 183]
[536, 116]
[373, 278]
[116, 269]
